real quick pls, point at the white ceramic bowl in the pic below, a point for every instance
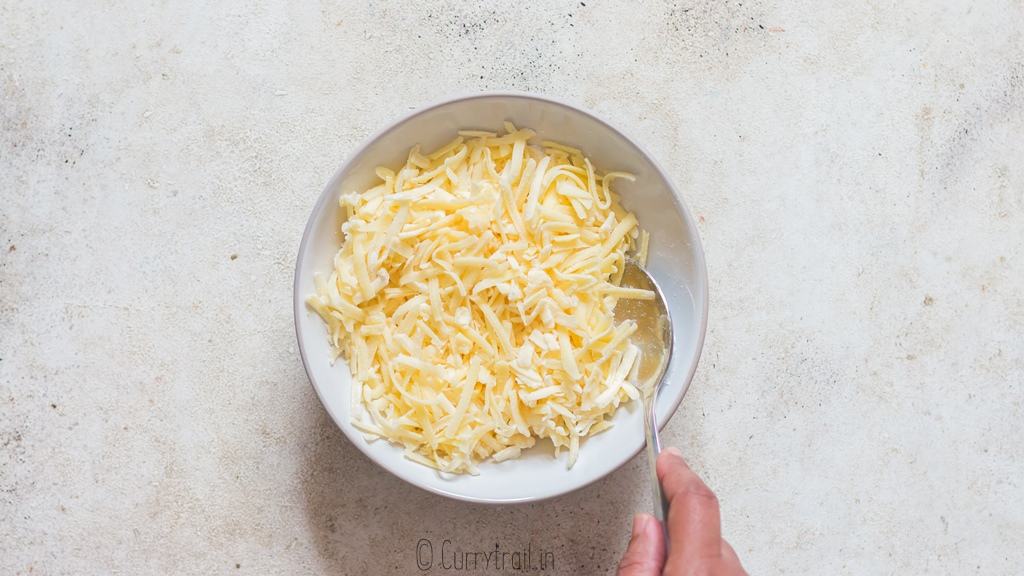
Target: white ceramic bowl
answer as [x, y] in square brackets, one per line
[676, 261]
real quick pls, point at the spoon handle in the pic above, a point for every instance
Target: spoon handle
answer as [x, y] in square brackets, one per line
[653, 449]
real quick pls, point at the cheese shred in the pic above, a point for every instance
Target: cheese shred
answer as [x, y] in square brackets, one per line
[473, 299]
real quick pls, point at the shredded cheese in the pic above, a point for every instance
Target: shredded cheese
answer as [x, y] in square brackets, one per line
[473, 299]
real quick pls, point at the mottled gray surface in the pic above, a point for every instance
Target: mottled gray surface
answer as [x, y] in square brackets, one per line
[858, 174]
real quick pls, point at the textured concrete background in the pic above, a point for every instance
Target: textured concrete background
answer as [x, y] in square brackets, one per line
[858, 173]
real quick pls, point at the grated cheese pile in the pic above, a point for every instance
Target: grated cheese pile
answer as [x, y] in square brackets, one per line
[473, 298]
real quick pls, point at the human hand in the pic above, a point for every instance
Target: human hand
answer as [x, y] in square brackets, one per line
[695, 538]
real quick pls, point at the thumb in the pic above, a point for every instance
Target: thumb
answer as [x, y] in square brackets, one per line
[645, 555]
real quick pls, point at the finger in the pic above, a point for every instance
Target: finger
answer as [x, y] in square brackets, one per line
[730, 558]
[694, 525]
[645, 554]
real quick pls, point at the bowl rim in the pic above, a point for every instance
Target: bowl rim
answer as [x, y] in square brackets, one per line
[330, 191]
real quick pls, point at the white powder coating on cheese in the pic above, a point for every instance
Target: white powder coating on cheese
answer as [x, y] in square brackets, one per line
[473, 298]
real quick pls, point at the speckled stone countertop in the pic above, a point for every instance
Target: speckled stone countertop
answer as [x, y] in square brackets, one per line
[858, 175]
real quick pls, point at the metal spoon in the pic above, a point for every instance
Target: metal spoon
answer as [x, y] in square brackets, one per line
[654, 338]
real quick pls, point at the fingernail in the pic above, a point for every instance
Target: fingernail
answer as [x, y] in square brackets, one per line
[674, 450]
[638, 523]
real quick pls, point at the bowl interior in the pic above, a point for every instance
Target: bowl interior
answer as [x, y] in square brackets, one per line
[676, 261]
